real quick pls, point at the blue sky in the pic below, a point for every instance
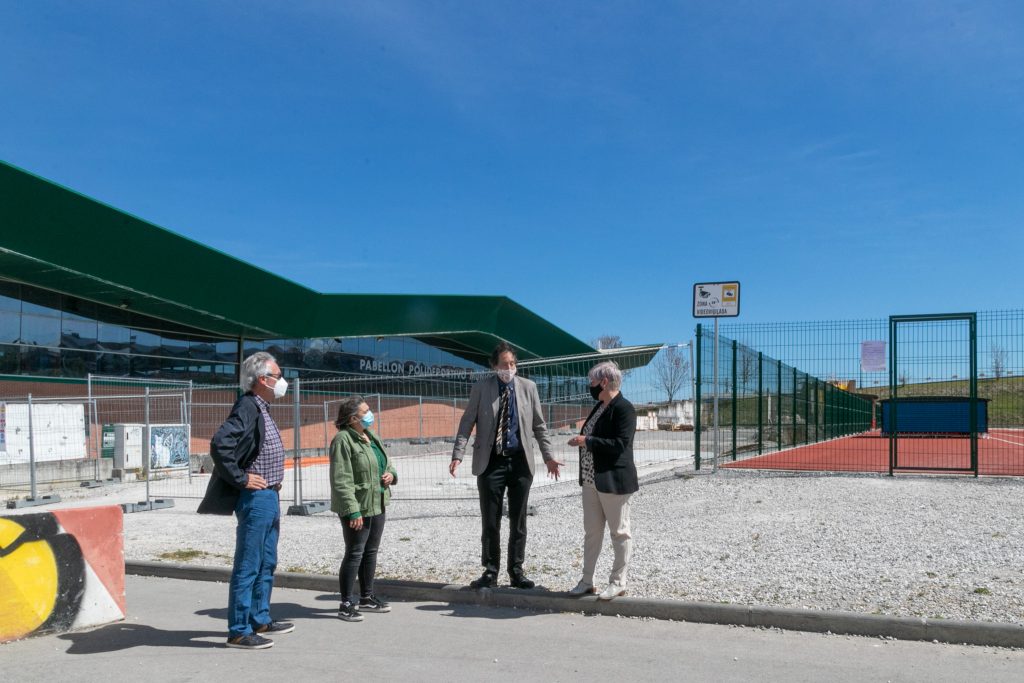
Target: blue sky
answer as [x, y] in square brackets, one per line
[589, 160]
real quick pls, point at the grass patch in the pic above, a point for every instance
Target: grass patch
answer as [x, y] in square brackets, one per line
[184, 555]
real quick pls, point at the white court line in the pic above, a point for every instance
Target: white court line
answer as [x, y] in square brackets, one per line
[996, 438]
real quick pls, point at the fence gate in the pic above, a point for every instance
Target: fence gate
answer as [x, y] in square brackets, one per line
[932, 415]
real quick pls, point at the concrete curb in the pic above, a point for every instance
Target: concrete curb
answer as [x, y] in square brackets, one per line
[817, 621]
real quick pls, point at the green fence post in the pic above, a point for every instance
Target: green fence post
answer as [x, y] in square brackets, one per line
[807, 402]
[972, 403]
[696, 403]
[816, 434]
[760, 389]
[792, 440]
[824, 411]
[778, 406]
[734, 394]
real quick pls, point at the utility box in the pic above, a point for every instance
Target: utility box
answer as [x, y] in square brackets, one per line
[128, 442]
[107, 441]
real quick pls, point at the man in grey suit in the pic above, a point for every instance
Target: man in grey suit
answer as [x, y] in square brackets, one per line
[505, 409]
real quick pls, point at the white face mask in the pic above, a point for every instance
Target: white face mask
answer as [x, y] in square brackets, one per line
[506, 375]
[280, 388]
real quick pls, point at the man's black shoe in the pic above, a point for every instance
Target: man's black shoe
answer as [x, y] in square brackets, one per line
[250, 642]
[275, 628]
[519, 580]
[486, 580]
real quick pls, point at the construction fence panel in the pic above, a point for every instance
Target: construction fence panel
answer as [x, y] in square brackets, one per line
[45, 445]
[418, 417]
[144, 427]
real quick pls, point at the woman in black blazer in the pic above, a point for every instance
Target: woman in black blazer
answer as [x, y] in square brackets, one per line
[608, 478]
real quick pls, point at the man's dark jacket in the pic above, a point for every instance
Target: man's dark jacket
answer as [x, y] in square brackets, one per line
[611, 443]
[233, 448]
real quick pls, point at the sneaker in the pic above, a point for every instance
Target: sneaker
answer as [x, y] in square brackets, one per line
[614, 590]
[250, 642]
[583, 588]
[373, 604]
[348, 612]
[486, 580]
[519, 580]
[276, 628]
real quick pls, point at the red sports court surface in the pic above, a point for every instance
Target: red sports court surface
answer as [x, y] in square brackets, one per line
[1000, 452]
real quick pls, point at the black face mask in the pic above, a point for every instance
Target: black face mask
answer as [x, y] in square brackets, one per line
[596, 392]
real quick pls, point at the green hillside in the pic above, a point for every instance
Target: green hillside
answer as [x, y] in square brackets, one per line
[1005, 395]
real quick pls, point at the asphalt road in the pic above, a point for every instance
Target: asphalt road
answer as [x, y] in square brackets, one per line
[176, 629]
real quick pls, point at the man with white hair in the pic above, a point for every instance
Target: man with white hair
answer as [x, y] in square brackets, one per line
[248, 467]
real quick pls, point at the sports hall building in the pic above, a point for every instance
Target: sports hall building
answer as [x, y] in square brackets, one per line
[88, 289]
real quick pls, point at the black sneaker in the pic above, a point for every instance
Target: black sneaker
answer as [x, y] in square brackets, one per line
[276, 627]
[250, 642]
[486, 580]
[348, 612]
[373, 604]
[519, 580]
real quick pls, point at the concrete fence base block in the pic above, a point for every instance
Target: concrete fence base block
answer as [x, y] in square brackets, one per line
[60, 571]
[143, 506]
[96, 483]
[309, 508]
[32, 502]
[817, 621]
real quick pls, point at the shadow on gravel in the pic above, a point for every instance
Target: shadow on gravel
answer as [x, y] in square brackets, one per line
[477, 611]
[117, 637]
[280, 611]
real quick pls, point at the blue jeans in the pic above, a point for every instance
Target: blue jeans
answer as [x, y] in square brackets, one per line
[252, 577]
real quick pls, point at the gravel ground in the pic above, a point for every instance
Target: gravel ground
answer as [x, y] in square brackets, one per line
[904, 546]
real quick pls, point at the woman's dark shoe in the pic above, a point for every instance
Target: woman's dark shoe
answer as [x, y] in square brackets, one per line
[348, 612]
[373, 604]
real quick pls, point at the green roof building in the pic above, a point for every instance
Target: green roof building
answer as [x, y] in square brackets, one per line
[88, 289]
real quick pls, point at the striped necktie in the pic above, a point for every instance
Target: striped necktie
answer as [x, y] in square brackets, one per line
[502, 432]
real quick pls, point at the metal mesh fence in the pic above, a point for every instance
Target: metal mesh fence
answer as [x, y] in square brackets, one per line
[797, 396]
[755, 404]
[158, 433]
[820, 392]
[418, 418]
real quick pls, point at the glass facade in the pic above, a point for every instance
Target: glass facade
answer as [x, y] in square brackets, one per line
[44, 333]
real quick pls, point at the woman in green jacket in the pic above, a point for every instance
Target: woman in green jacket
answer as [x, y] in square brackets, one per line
[361, 479]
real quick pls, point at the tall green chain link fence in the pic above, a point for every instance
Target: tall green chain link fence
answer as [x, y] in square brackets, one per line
[825, 395]
[765, 405]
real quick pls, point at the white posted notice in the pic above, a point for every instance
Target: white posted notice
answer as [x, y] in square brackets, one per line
[872, 356]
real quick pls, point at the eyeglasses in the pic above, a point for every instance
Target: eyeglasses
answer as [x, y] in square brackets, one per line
[270, 374]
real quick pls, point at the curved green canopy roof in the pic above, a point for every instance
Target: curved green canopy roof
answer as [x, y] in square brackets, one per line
[58, 239]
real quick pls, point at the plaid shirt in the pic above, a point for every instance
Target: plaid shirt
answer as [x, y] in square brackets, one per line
[269, 464]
